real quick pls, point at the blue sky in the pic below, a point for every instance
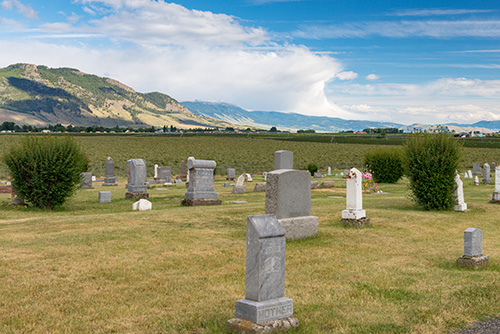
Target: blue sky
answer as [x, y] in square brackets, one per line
[405, 62]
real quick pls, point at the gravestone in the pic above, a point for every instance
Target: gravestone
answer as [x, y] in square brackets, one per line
[329, 173]
[486, 174]
[493, 165]
[231, 174]
[86, 181]
[476, 168]
[476, 180]
[460, 204]
[110, 179]
[288, 197]
[248, 178]
[201, 183]
[142, 205]
[317, 175]
[104, 196]
[183, 171]
[15, 199]
[466, 176]
[314, 184]
[283, 160]
[164, 175]
[264, 175]
[496, 195]
[156, 172]
[327, 184]
[94, 179]
[227, 184]
[137, 186]
[265, 304]
[346, 172]
[354, 215]
[473, 250]
[470, 173]
[240, 188]
[259, 187]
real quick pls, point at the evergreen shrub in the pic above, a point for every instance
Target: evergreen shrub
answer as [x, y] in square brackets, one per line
[312, 168]
[431, 161]
[46, 171]
[386, 164]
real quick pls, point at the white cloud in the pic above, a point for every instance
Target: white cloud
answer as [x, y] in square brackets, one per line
[25, 10]
[431, 12]
[346, 75]
[372, 77]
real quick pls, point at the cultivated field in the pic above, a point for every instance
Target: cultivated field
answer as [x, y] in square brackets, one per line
[102, 268]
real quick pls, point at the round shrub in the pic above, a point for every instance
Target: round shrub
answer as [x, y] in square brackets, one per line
[312, 168]
[386, 164]
[46, 170]
[431, 161]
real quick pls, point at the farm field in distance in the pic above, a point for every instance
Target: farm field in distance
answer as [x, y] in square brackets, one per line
[103, 268]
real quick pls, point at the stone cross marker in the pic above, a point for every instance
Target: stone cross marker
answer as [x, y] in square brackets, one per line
[201, 183]
[137, 186]
[110, 179]
[265, 272]
[476, 168]
[283, 160]
[87, 181]
[460, 204]
[486, 174]
[473, 249]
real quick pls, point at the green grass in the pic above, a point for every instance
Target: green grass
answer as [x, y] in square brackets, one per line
[102, 268]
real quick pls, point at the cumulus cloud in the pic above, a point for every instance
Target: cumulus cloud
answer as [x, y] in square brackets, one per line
[346, 75]
[25, 10]
[372, 77]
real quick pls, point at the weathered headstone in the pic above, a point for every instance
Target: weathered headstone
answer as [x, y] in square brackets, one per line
[240, 188]
[473, 250]
[466, 176]
[156, 172]
[183, 171]
[486, 174]
[496, 195]
[288, 197]
[201, 183]
[317, 175]
[259, 187]
[265, 304]
[460, 204]
[314, 184]
[283, 160]
[142, 205]
[470, 173]
[110, 179]
[329, 173]
[104, 196]
[346, 172]
[248, 177]
[354, 215]
[327, 184]
[164, 174]
[476, 168]
[86, 181]
[231, 174]
[137, 186]
[227, 184]
[493, 165]
[476, 180]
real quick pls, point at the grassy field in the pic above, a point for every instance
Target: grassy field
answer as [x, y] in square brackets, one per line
[102, 268]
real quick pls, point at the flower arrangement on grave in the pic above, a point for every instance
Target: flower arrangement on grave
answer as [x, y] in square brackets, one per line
[369, 185]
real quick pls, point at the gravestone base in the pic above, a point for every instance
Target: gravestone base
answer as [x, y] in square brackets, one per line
[239, 190]
[136, 196]
[475, 262]
[362, 222]
[200, 202]
[110, 181]
[247, 327]
[495, 198]
[486, 181]
[267, 310]
[260, 186]
[460, 207]
[327, 184]
[353, 214]
[87, 187]
[300, 227]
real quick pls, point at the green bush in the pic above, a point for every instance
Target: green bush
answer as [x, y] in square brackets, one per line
[312, 168]
[46, 170]
[386, 164]
[431, 162]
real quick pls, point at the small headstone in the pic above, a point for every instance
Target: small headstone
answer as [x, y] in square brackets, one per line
[156, 172]
[164, 174]
[329, 173]
[104, 196]
[466, 176]
[493, 165]
[354, 215]
[231, 174]
[314, 184]
[227, 184]
[346, 173]
[264, 175]
[460, 204]
[496, 195]
[201, 184]
[142, 205]
[317, 175]
[486, 174]
[327, 184]
[178, 181]
[110, 179]
[470, 173]
[476, 168]
[283, 160]
[86, 181]
[476, 180]
[473, 250]
[239, 202]
[240, 188]
[248, 178]
[94, 179]
[259, 187]
[137, 186]
[265, 299]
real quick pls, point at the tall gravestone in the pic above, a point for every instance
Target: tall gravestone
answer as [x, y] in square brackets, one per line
[486, 174]
[283, 160]
[110, 179]
[496, 195]
[86, 181]
[288, 197]
[476, 168]
[473, 250]
[231, 174]
[329, 173]
[354, 215]
[265, 304]
[460, 204]
[201, 183]
[183, 174]
[137, 186]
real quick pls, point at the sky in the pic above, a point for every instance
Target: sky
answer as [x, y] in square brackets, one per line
[406, 62]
